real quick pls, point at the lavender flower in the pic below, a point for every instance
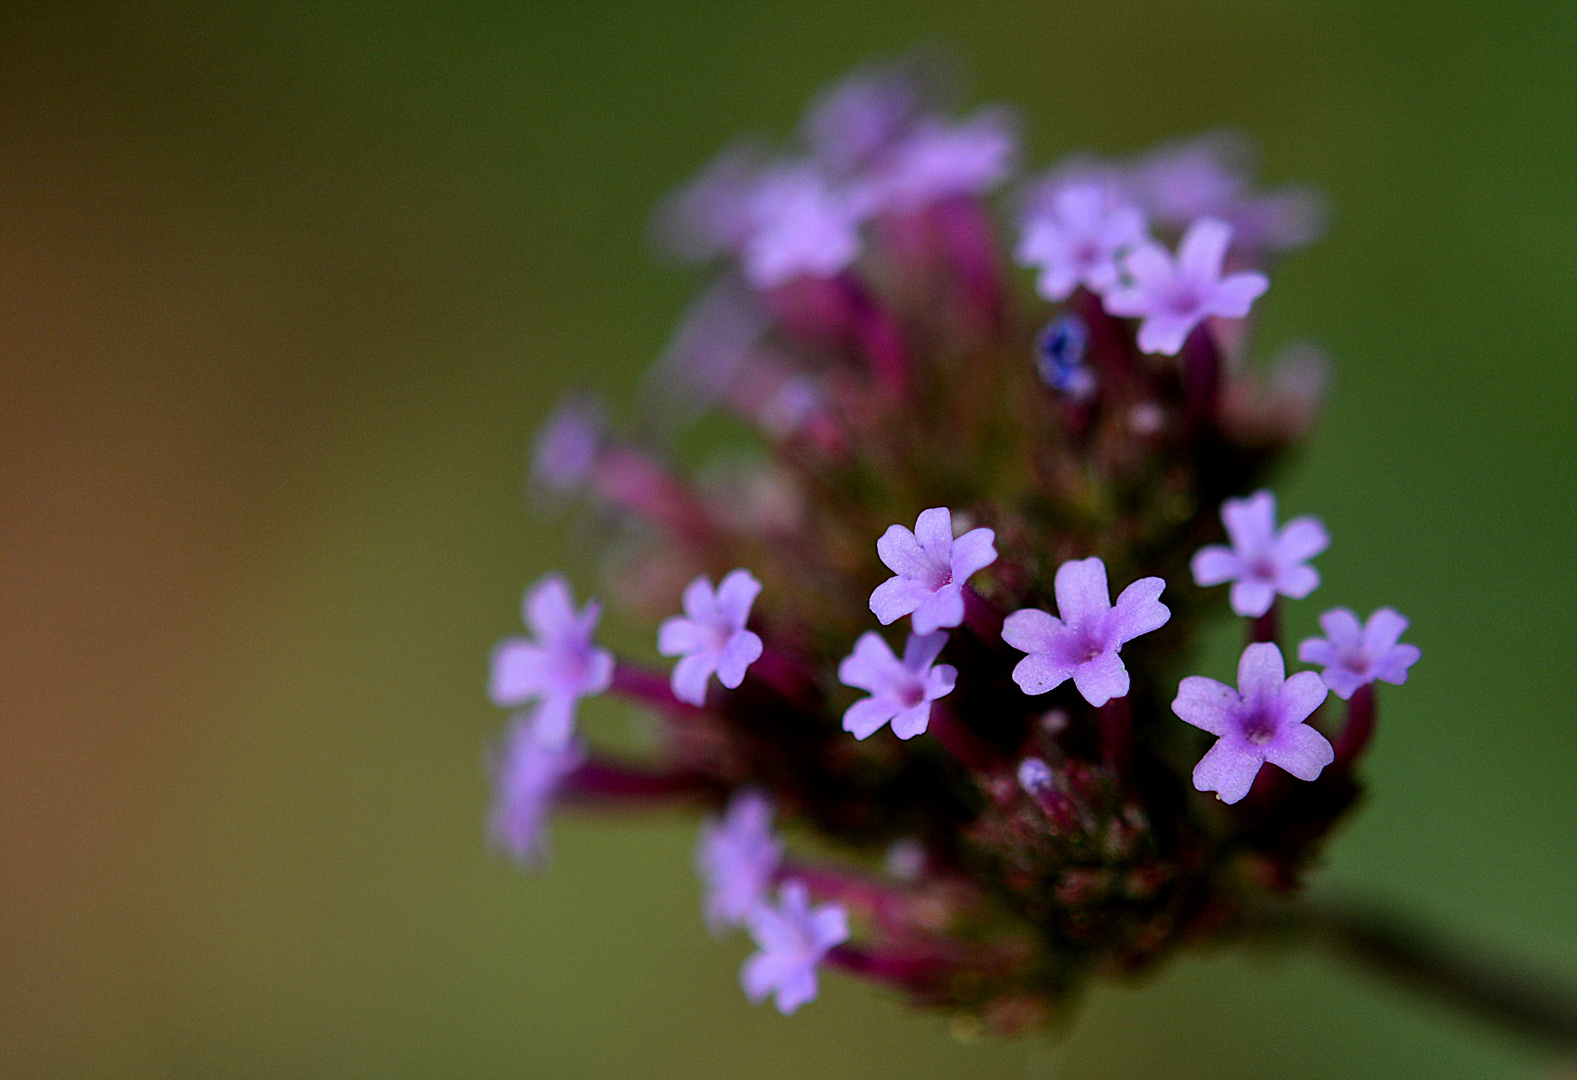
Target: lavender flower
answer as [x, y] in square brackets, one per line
[1074, 234]
[737, 858]
[568, 445]
[1355, 654]
[931, 568]
[1083, 644]
[558, 668]
[799, 225]
[711, 635]
[901, 690]
[1174, 296]
[792, 938]
[527, 775]
[1262, 720]
[1261, 561]
[935, 160]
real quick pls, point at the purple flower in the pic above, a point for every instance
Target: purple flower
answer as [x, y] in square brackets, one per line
[1083, 644]
[792, 938]
[935, 160]
[1355, 654]
[568, 445]
[1261, 561]
[856, 120]
[798, 225]
[1074, 234]
[527, 775]
[711, 635]
[737, 857]
[1262, 720]
[1174, 296]
[558, 668]
[931, 569]
[901, 690]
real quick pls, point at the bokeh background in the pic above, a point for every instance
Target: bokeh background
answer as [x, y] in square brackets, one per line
[284, 290]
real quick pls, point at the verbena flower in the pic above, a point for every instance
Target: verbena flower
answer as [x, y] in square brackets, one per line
[1262, 560]
[1083, 643]
[1262, 720]
[930, 570]
[1056, 822]
[901, 690]
[1355, 654]
[710, 636]
[737, 857]
[792, 937]
[1173, 296]
[558, 667]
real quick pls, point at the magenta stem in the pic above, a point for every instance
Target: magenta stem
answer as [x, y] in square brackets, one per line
[650, 688]
[1116, 719]
[1201, 377]
[969, 749]
[1268, 626]
[906, 970]
[628, 478]
[603, 782]
[887, 904]
[982, 616]
[1359, 728]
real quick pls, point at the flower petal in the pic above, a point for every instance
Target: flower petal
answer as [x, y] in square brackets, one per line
[1138, 611]
[1032, 630]
[944, 607]
[689, 677]
[1038, 673]
[1165, 333]
[1392, 667]
[1216, 564]
[1228, 768]
[1385, 628]
[519, 672]
[735, 596]
[972, 552]
[549, 607]
[1082, 593]
[866, 716]
[742, 650]
[700, 602]
[1316, 650]
[1236, 293]
[1300, 750]
[921, 650]
[799, 988]
[678, 636]
[911, 722]
[871, 666]
[1102, 678]
[1344, 681]
[1261, 672]
[1298, 582]
[897, 597]
[1251, 523]
[1252, 598]
[1343, 629]
[1207, 704]
[934, 531]
[901, 553]
[1301, 539]
[1203, 246]
[1298, 697]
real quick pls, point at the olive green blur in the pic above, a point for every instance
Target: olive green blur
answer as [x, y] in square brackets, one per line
[284, 291]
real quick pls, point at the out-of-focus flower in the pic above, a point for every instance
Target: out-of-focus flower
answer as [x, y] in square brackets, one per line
[935, 160]
[901, 690]
[1173, 296]
[1261, 561]
[792, 938]
[737, 857]
[527, 775]
[931, 569]
[558, 667]
[1262, 720]
[1083, 644]
[1356, 654]
[1074, 233]
[711, 635]
[1059, 358]
[566, 449]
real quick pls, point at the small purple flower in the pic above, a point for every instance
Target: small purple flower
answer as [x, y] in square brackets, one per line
[1261, 561]
[558, 668]
[568, 445]
[711, 635]
[1074, 234]
[1174, 296]
[1355, 654]
[901, 690]
[527, 775]
[799, 225]
[792, 938]
[737, 857]
[1262, 720]
[931, 569]
[856, 120]
[935, 160]
[1083, 644]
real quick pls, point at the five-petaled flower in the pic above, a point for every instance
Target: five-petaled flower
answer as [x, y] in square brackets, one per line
[935, 160]
[1262, 720]
[799, 225]
[1173, 296]
[711, 635]
[737, 857]
[931, 568]
[527, 775]
[792, 937]
[901, 690]
[1355, 654]
[1261, 561]
[1083, 643]
[558, 668]
[1075, 236]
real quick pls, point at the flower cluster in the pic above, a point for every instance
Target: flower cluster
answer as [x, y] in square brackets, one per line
[1058, 795]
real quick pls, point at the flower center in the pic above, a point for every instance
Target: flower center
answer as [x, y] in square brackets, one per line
[1258, 728]
[1183, 301]
[911, 694]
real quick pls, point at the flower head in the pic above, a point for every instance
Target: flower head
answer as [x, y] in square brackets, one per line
[1074, 234]
[1355, 654]
[901, 690]
[527, 776]
[558, 668]
[1262, 720]
[1083, 644]
[711, 635]
[737, 857]
[931, 568]
[1261, 561]
[1173, 296]
[792, 938]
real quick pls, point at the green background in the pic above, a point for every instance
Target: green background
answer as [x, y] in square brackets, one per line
[283, 293]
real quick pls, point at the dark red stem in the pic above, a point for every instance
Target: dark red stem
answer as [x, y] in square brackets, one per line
[1201, 377]
[1359, 728]
[1268, 626]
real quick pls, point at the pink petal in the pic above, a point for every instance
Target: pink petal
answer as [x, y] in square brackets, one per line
[1033, 631]
[1251, 523]
[944, 607]
[1138, 611]
[829, 926]
[549, 607]
[742, 650]
[1215, 565]
[1082, 592]
[1316, 650]
[1392, 667]
[1207, 704]
[1251, 599]
[866, 716]
[1166, 333]
[1386, 627]
[1101, 679]
[700, 603]
[897, 597]
[1300, 750]
[870, 666]
[1301, 539]
[901, 553]
[1298, 697]
[921, 650]
[1298, 582]
[1261, 672]
[972, 552]
[762, 972]
[1203, 247]
[1235, 295]
[678, 636]
[1343, 629]
[1343, 681]
[553, 722]
[689, 677]
[1228, 768]
[519, 672]
[911, 722]
[736, 595]
[1038, 673]
[934, 531]
[799, 988]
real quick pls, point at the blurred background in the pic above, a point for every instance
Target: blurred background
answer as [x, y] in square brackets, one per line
[284, 291]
